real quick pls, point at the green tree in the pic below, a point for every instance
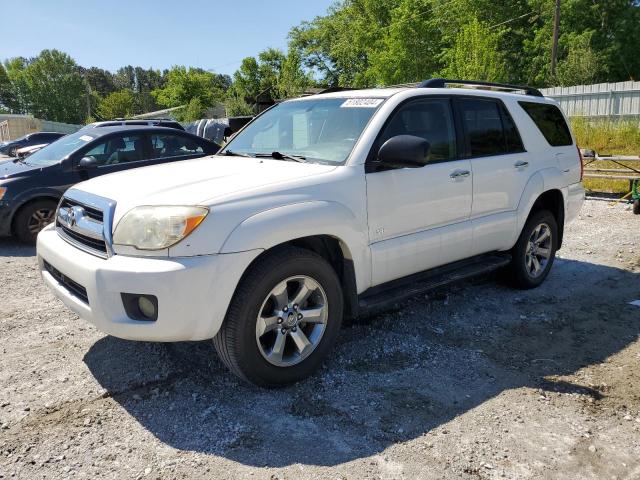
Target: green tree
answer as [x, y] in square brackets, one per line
[56, 89]
[273, 74]
[6, 90]
[581, 65]
[120, 104]
[475, 54]
[183, 84]
[17, 100]
[99, 80]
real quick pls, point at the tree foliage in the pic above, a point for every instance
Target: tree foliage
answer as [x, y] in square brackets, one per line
[55, 88]
[357, 43]
[118, 104]
[182, 85]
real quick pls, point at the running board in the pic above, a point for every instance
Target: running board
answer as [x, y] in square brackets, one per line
[388, 293]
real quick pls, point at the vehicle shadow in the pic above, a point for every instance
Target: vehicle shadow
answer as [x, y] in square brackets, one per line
[392, 378]
[10, 247]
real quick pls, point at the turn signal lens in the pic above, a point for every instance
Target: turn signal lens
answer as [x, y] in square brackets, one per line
[3, 190]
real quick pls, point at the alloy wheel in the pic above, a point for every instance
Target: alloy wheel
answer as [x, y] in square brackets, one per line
[40, 219]
[292, 321]
[538, 251]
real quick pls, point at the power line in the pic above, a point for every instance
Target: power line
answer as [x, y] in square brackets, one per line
[511, 20]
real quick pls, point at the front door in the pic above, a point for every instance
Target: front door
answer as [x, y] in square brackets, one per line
[418, 217]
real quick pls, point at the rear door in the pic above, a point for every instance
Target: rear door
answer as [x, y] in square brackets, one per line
[501, 169]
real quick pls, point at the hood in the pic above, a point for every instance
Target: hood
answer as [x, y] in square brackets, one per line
[11, 169]
[203, 181]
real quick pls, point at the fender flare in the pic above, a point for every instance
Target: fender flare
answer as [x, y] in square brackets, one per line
[532, 190]
[278, 225]
[541, 182]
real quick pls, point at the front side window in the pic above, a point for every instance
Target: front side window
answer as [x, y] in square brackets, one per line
[549, 119]
[428, 119]
[118, 149]
[167, 145]
[316, 130]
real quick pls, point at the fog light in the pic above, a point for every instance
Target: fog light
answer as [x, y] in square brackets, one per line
[147, 308]
[140, 306]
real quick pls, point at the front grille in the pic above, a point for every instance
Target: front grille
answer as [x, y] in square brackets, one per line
[73, 287]
[92, 243]
[91, 212]
[81, 219]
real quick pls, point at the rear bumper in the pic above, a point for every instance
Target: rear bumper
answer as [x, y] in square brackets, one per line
[193, 292]
[575, 199]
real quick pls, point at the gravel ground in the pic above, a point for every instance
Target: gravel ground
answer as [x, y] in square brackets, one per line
[476, 381]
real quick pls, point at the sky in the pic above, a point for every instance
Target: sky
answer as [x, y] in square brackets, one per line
[215, 35]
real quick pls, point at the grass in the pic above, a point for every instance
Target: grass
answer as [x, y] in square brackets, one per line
[611, 138]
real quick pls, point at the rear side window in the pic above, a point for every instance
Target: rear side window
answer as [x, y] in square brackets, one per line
[166, 145]
[489, 128]
[549, 120]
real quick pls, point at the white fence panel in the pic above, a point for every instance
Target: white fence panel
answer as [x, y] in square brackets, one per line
[601, 100]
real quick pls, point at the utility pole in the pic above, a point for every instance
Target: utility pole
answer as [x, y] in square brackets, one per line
[556, 34]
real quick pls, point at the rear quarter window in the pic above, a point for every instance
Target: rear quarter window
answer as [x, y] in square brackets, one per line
[549, 120]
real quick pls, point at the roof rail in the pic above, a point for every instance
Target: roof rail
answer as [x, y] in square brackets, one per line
[443, 82]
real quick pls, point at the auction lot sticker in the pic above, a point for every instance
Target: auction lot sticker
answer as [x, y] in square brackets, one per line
[362, 103]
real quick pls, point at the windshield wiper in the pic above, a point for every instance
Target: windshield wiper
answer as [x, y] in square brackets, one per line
[229, 153]
[283, 156]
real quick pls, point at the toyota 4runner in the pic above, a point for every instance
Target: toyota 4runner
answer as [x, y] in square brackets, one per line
[321, 207]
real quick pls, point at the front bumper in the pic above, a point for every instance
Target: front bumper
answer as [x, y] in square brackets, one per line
[193, 292]
[5, 219]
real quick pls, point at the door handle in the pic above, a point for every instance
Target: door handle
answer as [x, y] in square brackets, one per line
[521, 164]
[459, 173]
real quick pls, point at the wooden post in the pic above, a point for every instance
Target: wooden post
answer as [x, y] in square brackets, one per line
[556, 34]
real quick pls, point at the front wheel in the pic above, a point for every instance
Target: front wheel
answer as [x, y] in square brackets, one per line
[535, 251]
[283, 319]
[32, 218]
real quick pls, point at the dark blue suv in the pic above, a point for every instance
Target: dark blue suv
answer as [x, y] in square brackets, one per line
[30, 188]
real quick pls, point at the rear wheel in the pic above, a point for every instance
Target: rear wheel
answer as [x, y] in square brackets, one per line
[636, 207]
[535, 251]
[32, 218]
[283, 319]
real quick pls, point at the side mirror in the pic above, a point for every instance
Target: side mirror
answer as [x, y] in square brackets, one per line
[404, 151]
[88, 163]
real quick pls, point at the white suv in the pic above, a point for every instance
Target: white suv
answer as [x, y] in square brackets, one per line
[321, 207]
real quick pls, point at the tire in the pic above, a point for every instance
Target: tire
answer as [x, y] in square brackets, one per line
[636, 207]
[32, 218]
[262, 354]
[529, 269]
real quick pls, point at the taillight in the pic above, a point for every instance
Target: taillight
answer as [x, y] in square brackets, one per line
[581, 163]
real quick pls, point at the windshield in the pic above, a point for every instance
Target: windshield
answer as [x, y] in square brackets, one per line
[56, 151]
[316, 130]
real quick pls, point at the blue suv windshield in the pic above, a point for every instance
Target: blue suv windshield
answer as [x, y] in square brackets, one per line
[316, 130]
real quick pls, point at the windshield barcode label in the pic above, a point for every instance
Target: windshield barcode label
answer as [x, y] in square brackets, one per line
[361, 103]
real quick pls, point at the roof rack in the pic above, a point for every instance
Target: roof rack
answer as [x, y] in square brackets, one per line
[443, 82]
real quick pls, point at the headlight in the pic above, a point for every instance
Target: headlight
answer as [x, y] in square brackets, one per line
[157, 228]
[3, 191]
